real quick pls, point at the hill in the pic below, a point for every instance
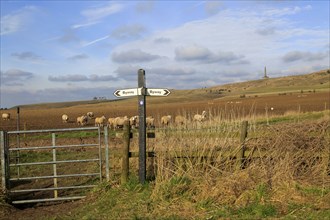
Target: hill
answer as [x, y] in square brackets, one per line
[319, 81]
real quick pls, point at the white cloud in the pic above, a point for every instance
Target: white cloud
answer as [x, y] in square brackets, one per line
[128, 31]
[97, 13]
[78, 57]
[192, 52]
[293, 56]
[237, 42]
[144, 7]
[26, 56]
[17, 20]
[15, 77]
[81, 78]
[213, 7]
[132, 56]
[204, 55]
[286, 11]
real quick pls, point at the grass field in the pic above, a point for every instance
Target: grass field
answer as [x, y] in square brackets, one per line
[286, 177]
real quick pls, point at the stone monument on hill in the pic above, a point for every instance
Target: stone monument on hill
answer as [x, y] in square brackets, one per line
[265, 75]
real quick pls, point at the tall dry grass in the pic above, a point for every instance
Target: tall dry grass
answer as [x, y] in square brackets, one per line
[286, 164]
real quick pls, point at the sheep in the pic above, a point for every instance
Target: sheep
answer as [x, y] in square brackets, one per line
[90, 115]
[65, 118]
[200, 118]
[5, 116]
[134, 122]
[82, 120]
[180, 120]
[166, 120]
[150, 122]
[99, 121]
[111, 123]
[119, 122]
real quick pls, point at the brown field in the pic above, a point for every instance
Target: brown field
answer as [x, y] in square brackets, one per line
[44, 117]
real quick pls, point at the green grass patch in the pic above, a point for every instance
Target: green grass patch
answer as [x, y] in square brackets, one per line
[313, 190]
[130, 201]
[293, 118]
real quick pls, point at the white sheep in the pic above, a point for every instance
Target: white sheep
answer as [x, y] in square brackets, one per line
[82, 120]
[99, 121]
[180, 120]
[134, 122]
[111, 123]
[150, 122]
[5, 116]
[166, 120]
[119, 122]
[90, 115]
[200, 118]
[65, 118]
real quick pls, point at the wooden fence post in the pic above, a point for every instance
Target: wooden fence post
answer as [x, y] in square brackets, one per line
[240, 155]
[125, 153]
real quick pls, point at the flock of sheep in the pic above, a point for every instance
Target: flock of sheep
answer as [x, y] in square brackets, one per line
[118, 122]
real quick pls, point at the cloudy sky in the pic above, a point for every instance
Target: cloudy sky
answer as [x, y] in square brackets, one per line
[53, 51]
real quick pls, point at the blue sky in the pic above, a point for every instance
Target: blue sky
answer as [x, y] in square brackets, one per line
[53, 51]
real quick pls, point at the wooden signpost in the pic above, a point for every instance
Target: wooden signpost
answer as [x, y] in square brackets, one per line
[142, 92]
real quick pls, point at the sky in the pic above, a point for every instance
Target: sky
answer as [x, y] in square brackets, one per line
[55, 51]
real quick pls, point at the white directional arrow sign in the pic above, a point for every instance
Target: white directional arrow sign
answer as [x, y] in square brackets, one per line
[127, 92]
[138, 91]
[158, 92]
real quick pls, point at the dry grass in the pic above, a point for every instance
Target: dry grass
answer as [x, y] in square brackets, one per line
[287, 174]
[289, 167]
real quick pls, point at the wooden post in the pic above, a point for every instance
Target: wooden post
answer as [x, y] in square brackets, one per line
[142, 125]
[18, 143]
[240, 155]
[4, 160]
[125, 153]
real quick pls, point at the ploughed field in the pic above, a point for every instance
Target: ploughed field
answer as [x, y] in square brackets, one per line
[47, 117]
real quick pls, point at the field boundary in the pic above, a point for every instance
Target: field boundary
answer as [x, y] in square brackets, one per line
[14, 168]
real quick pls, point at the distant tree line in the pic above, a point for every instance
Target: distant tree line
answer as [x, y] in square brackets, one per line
[99, 98]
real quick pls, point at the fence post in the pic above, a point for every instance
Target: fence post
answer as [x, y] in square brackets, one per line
[125, 153]
[3, 147]
[18, 142]
[106, 143]
[240, 155]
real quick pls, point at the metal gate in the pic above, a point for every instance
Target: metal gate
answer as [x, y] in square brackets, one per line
[54, 170]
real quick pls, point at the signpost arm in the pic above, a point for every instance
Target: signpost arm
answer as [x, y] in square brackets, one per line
[142, 125]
